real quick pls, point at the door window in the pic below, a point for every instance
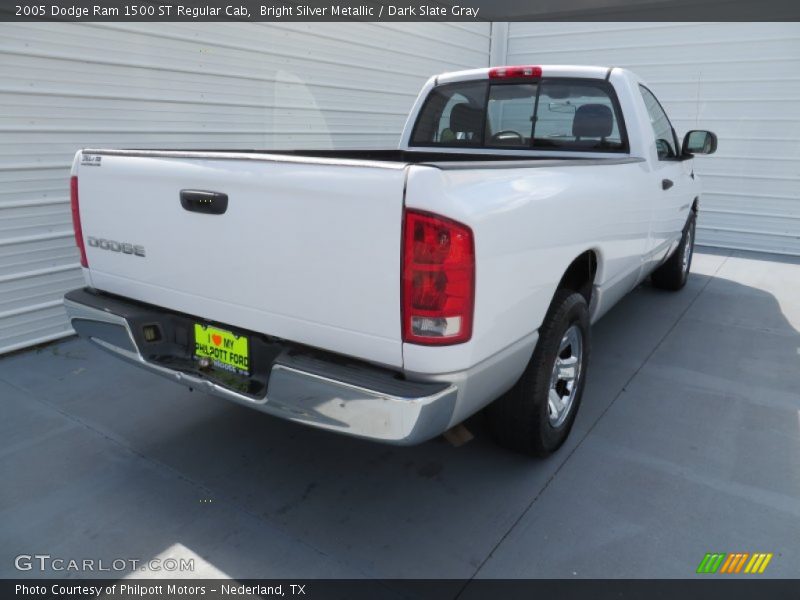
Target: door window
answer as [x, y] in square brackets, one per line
[666, 142]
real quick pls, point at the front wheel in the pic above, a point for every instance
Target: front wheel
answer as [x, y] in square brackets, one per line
[536, 415]
[672, 275]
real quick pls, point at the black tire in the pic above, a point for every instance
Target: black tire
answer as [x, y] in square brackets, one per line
[674, 273]
[521, 419]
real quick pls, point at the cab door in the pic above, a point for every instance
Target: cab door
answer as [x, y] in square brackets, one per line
[672, 185]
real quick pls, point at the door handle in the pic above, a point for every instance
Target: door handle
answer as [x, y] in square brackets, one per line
[666, 184]
[209, 203]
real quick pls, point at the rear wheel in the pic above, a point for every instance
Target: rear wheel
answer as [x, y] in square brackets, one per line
[672, 275]
[536, 415]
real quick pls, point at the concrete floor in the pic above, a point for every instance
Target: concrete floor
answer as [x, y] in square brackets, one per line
[688, 442]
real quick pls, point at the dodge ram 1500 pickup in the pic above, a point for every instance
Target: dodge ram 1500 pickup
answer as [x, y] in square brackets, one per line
[391, 294]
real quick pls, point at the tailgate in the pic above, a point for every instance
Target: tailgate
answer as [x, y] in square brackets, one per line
[308, 250]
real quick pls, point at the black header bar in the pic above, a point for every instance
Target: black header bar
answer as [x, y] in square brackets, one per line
[399, 10]
[700, 587]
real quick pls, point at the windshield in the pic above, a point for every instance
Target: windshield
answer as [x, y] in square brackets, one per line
[560, 114]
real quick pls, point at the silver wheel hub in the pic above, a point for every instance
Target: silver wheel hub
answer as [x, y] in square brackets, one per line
[566, 376]
[687, 249]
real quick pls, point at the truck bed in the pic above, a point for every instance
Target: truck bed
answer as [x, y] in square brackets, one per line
[307, 248]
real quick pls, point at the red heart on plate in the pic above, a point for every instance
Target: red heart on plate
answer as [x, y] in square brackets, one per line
[217, 339]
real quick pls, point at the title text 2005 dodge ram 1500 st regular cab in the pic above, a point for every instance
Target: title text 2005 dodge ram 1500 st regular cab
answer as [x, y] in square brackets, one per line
[391, 294]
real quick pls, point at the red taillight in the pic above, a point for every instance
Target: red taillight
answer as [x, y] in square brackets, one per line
[520, 72]
[438, 280]
[76, 219]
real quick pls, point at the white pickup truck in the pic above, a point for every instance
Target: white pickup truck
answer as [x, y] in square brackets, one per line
[391, 294]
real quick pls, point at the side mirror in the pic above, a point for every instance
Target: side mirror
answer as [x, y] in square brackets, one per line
[698, 141]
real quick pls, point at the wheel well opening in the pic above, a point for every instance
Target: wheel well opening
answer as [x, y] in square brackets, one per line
[579, 276]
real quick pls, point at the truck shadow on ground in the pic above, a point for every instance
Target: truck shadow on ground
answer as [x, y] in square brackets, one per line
[426, 511]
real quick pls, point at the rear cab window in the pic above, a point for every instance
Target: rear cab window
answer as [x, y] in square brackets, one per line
[549, 114]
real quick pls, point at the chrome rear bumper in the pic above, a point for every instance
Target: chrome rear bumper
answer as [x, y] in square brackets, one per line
[337, 394]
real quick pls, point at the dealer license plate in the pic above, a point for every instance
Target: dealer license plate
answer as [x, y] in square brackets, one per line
[226, 350]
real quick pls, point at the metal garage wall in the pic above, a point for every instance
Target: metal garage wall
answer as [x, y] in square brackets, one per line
[68, 86]
[741, 80]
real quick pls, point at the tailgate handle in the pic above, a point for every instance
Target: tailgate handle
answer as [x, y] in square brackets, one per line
[200, 201]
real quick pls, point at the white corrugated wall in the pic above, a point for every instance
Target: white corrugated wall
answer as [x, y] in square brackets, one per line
[176, 85]
[350, 85]
[740, 80]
